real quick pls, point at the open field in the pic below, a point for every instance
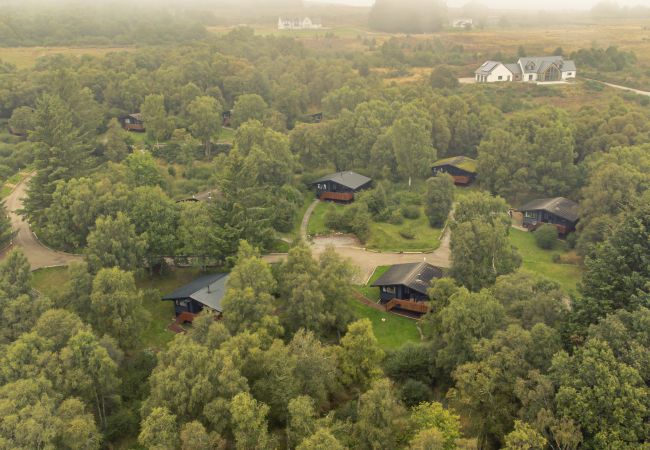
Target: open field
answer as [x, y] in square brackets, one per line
[541, 261]
[24, 57]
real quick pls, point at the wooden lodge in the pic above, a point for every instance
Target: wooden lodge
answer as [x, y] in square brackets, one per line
[558, 211]
[461, 168]
[132, 122]
[340, 186]
[205, 292]
[404, 286]
[226, 117]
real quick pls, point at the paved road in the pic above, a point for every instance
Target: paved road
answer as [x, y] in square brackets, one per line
[37, 254]
[366, 261]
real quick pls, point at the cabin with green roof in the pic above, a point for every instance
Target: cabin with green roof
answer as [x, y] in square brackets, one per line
[461, 168]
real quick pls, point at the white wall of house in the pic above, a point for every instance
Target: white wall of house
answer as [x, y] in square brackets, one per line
[529, 77]
[568, 75]
[499, 73]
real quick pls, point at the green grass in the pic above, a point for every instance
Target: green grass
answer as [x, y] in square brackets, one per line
[392, 332]
[373, 292]
[308, 198]
[50, 281]
[540, 261]
[386, 237]
[227, 135]
[317, 220]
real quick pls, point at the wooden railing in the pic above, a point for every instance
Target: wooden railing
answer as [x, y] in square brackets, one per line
[408, 305]
[185, 317]
[337, 196]
[462, 180]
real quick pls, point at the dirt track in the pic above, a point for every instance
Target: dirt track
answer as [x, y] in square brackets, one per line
[37, 254]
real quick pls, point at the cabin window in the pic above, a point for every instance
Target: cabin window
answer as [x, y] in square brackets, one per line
[389, 289]
[127, 120]
[530, 214]
[530, 77]
[500, 77]
[569, 73]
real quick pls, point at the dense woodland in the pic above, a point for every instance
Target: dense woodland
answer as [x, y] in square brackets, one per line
[508, 358]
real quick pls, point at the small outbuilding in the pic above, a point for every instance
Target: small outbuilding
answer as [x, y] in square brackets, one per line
[341, 186]
[405, 286]
[132, 122]
[461, 168]
[206, 292]
[558, 211]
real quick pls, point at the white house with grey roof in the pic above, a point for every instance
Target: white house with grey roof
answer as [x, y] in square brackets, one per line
[527, 69]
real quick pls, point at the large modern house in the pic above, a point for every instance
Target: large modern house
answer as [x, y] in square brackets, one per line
[405, 286]
[558, 211]
[461, 168]
[527, 69]
[341, 186]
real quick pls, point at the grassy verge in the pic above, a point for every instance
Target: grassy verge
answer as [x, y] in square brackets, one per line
[390, 330]
[11, 182]
[540, 261]
[308, 198]
[373, 292]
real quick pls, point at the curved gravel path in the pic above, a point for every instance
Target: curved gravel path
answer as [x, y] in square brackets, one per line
[38, 255]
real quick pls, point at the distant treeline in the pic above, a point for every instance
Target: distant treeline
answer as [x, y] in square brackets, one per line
[408, 16]
[99, 26]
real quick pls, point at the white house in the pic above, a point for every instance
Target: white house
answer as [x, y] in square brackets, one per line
[462, 23]
[527, 69]
[298, 24]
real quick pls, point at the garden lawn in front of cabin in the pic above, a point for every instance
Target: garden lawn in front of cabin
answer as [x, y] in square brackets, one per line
[316, 224]
[391, 333]
[540, 261]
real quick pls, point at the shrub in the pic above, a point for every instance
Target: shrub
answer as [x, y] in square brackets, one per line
[396, 217]
[171, 170]
[333, 219]
[407, 233]
[546, 236]
[411, 212]
[571, 240]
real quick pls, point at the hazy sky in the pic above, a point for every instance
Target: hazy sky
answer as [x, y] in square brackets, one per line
[514, 4]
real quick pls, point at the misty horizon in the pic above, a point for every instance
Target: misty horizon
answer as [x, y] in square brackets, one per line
[508, 4]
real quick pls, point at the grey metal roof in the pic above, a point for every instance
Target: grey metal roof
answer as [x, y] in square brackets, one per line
[560, 206]
[207, 290]
[487, 67]
[351, 180]
[416, 276]
[514, 68]
[541, 63]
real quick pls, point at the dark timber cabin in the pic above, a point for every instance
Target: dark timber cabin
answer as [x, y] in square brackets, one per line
[204, 292]
[558, 211]
[225, 118]
[461, 168]
[405, 286]
[132, 122]
[341, 186]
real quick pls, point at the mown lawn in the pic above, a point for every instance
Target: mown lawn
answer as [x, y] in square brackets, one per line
[50, 281]
[386, 236]
[540, 261]
[390, 330]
